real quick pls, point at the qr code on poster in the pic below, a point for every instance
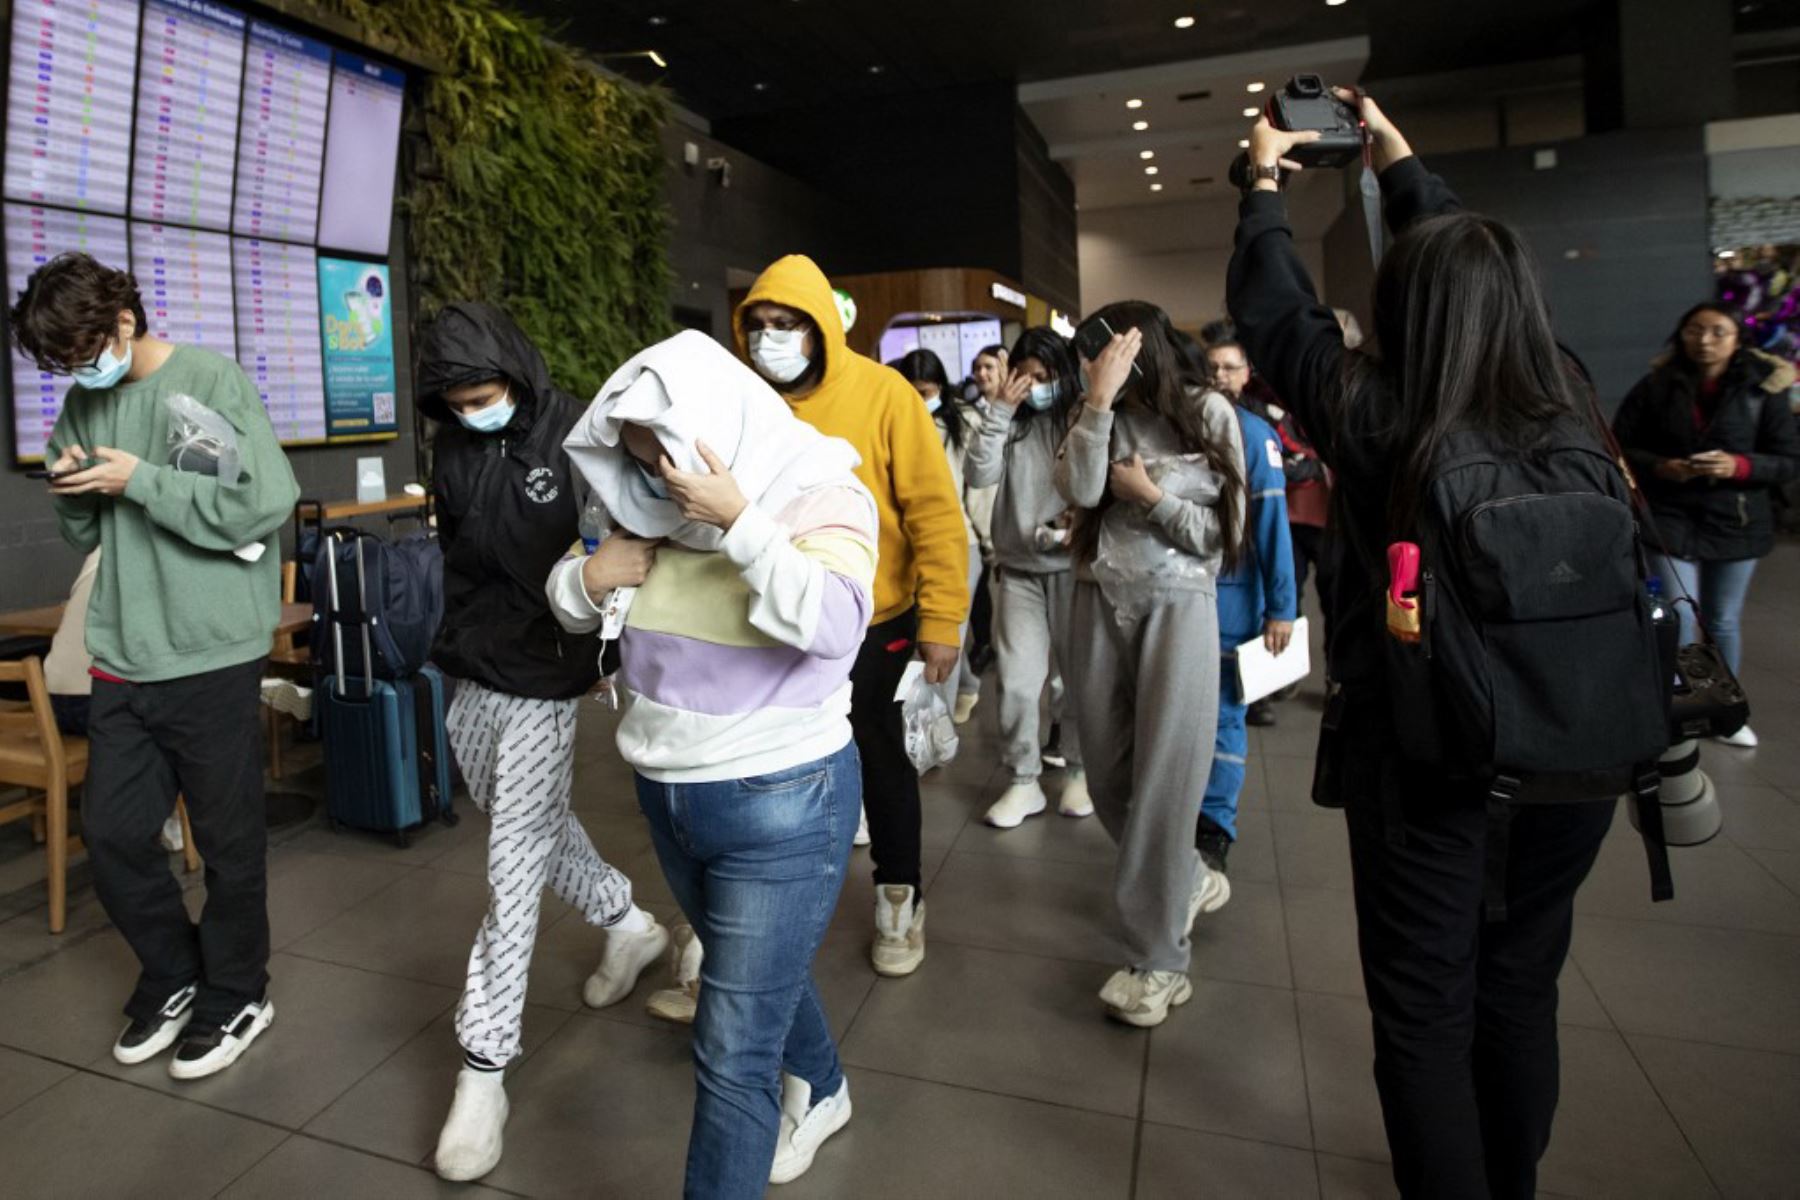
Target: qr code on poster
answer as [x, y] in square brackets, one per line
[384, 408]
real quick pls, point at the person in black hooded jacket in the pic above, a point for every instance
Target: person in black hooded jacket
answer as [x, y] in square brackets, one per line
[508, 509]
[1710, 436]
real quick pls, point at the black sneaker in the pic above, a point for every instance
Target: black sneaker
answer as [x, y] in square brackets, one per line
[1260, 714]
[210, 1050]
[1053, 755]
[1214, 844]
[144, 1040]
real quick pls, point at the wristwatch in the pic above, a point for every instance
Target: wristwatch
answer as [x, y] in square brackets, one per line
[1269, 171]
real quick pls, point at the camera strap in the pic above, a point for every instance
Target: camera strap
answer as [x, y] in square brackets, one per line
[1370, 187]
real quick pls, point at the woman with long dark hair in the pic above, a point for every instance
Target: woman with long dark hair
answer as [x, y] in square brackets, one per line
[1155, 466]
[1464, 1009]
[1034, 584]
[925, 371]
[1711, 437]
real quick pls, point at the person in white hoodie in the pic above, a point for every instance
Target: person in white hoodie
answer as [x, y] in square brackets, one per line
[735, 688]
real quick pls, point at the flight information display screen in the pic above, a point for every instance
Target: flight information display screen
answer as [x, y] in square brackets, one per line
[185, 278]
[278, 333]
[190, 69]
[355, 212]
[69, 92]
[281, 139]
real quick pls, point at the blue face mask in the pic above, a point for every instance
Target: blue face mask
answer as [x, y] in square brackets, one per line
[933, 403]
[653, 481]
[104, 371]
[1042, 396]
[492, 419]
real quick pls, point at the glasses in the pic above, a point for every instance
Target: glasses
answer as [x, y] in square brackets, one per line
[1704, 333]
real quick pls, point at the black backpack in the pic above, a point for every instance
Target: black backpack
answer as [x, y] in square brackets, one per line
[402, 601]
[1537, 670]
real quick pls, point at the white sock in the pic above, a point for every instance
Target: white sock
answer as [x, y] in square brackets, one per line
[635, 921]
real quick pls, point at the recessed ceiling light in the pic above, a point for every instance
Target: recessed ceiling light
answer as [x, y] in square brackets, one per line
[1253, 88]
[1140, 126]
[1252, 111]
[1146, 154]
[760, 87]
[1134, 104]
[1184, 22]
[1150, 170]
[659, 21]
[876, 69]
[1335, 3]
[1156, 187]
[1243, 143]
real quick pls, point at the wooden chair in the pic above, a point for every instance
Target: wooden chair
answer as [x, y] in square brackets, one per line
[35, 755]
[287, 661]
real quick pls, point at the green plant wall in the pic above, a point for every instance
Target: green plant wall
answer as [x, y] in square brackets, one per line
[545, 190]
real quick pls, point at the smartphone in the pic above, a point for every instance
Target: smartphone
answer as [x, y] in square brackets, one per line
[1092, 337]
[48, 475]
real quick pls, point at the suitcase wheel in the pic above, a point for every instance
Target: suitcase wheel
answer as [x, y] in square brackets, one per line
[402, 838]
[449, 818]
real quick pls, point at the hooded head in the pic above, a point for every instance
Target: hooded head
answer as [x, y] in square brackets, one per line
[791, 310]
[471, 345]
[683, 391]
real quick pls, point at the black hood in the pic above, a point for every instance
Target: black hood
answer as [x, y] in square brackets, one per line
[471, 342]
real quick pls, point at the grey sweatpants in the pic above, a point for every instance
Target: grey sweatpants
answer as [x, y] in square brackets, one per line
[1031, 629]
[1139, 694]
[964, 681]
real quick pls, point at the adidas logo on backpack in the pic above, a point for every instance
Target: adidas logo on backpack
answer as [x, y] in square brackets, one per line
[1563, 573]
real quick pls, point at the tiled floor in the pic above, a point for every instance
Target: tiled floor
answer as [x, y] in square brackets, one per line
[991, 1072]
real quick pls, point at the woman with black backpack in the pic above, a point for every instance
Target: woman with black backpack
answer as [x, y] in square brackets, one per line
[1711, 437]
[1464, 371]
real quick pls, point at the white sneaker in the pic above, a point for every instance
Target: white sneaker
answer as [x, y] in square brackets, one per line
[144, 1040]
[1143, 998]
[965, 707]
[1075, 801]
[469, 1146]
[1745, 739]
[1211, 894]
[170, 837]
[1017, 802]
[862, 828]
[805, 1126]
[681, 1002]
[899, 931]
[624, 959]
[210, 1051]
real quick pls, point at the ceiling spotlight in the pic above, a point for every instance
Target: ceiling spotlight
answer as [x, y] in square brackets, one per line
[876, 69]
[1146, 154]
[1156, 187]
[1335, 3]
[1184, 22]
[1256, 87]
[658, 21]
[1150, 170]
[1140, 126]
[1134, 104]
[1243, 143]
[759, 87]
[1251, 110]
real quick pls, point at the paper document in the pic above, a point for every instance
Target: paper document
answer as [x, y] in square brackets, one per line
[1261, 673]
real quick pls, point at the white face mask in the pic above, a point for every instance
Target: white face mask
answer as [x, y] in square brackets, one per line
[933, 403]
[778, 355]
[652, 480]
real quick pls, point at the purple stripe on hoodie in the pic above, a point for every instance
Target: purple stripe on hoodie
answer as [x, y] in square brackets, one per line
[844, 614]
[720, 681]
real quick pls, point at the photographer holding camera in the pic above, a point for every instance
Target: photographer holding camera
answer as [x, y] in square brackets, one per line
[1464, 1009]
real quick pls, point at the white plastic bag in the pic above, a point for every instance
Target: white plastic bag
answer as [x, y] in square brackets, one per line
[1134, 561]
[201, 441]
[931, 739]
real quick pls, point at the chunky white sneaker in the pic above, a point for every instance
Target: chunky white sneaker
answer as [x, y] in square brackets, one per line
[1211, 894]
[862, 828]
[1017, 802]
[144, 1040]
[899, 931]
[1745, 739]
[1075, 801]
[1143, 998]
[965, 707]
[805, 1126]
[208, 1051]
[469, 1146]
[624, 959]
[681, 1002]
[170, 838]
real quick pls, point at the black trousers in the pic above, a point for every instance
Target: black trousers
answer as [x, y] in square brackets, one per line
[200, 736]
[1309, 558]
[981, 614]
[890, 784]
[1464, 1011]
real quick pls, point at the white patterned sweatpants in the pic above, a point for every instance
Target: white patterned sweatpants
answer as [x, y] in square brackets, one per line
[518, 757]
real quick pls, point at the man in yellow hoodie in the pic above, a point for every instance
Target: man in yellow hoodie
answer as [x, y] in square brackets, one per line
[789, 330]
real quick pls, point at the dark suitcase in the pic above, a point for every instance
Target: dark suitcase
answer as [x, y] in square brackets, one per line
[387, 758]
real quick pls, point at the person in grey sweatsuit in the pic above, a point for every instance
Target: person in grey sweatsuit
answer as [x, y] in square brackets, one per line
[1033, 579]
[1156, 463]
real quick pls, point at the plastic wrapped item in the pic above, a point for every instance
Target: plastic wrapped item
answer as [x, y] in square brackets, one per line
[931, 739]
[200, 440]
[1134, 560]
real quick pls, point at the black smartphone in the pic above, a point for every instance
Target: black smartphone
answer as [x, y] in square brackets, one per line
[47, 474]
[1092, 336]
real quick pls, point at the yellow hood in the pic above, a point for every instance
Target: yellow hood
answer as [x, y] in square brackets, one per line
[797, 282]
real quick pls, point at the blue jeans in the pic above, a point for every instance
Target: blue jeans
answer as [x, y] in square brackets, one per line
[1231, 746]
[756, 864]
[1719, 587]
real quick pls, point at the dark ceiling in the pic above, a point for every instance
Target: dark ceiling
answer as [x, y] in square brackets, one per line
[734, 58]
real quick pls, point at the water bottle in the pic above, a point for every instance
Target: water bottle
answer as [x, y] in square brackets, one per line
[593, 520]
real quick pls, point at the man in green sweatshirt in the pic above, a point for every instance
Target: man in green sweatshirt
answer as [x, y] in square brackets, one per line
[181, 619]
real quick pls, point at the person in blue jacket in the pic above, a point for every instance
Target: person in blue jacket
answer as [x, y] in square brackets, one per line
[1259, 598]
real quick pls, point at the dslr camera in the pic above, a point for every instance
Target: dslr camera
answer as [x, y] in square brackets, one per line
[1304, 103]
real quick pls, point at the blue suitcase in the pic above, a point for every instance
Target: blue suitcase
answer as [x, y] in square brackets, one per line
[387, 758]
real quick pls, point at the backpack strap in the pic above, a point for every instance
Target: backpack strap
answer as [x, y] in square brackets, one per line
[1646, 792]
[1501, 791]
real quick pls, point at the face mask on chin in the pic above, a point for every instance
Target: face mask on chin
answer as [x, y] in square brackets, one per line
[777, 353]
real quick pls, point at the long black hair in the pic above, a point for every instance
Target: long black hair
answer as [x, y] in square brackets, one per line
[1464, 343]
[1171, 385]
[924, 366]
[1051, 349]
